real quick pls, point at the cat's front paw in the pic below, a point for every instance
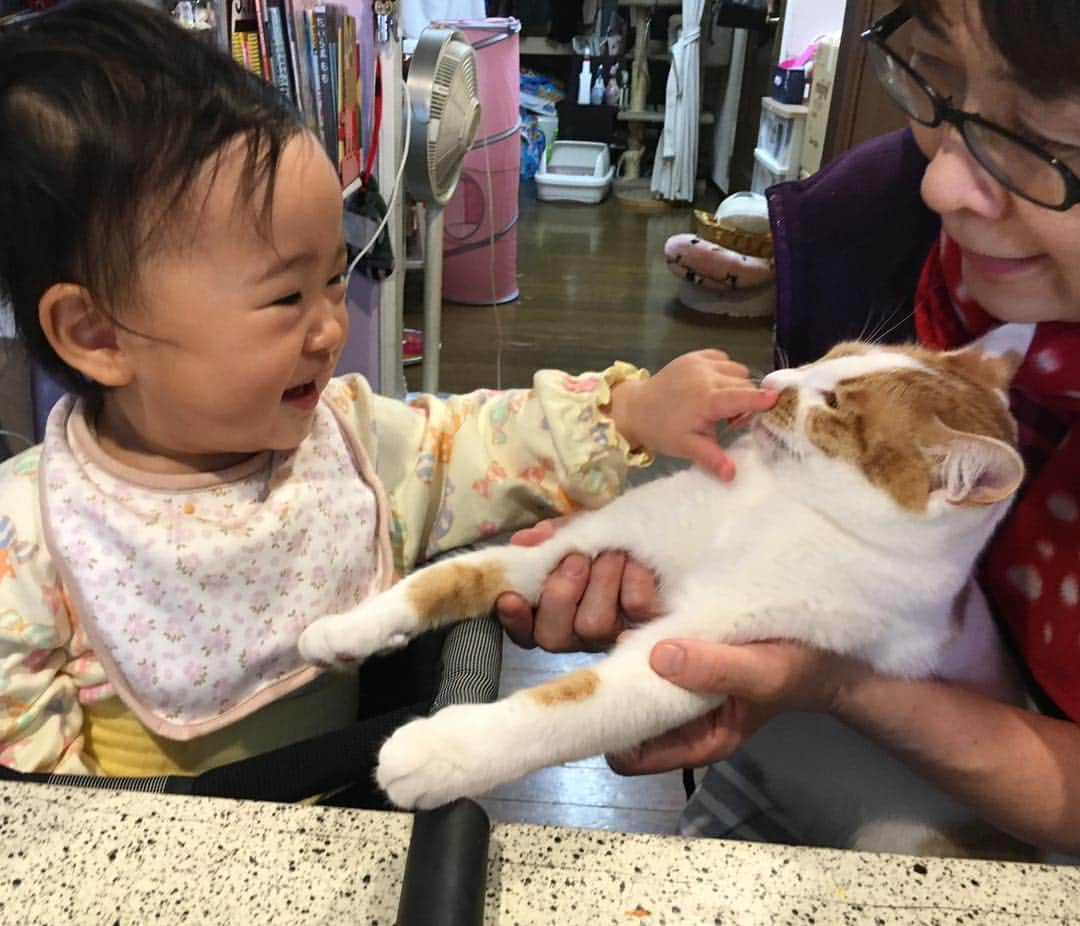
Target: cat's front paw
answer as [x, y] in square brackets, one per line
[384, 623]
[430, 762]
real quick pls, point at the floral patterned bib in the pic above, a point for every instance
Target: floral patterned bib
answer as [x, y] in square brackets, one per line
[194, 589]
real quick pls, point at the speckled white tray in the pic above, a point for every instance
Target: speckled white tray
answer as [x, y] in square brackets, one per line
[75, 856]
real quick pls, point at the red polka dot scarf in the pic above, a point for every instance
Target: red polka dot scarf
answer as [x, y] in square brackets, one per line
[1031, 570]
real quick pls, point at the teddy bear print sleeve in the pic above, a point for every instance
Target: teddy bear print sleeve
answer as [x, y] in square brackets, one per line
[43, 671]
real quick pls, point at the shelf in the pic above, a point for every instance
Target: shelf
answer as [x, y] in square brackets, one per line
[657, 115]
[788, 110]
[538, 45]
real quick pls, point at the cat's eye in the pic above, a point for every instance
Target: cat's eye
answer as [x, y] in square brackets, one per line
[829, 398]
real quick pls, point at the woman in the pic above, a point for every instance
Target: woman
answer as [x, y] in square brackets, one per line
[1004, 188]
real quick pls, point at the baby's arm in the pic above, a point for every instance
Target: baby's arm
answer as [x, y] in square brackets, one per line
[40, 716]
[464, 467]
[468, 466]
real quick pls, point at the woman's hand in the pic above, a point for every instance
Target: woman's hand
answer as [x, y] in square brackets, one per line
[583, 605]
[676, 411]
[761, 681]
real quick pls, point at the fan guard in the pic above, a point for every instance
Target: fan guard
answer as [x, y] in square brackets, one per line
[445, 111]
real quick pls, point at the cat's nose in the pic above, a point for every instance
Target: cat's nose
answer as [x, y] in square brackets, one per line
[779, 379]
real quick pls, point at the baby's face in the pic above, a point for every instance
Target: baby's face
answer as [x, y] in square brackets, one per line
[243, 333]
[1021, 262]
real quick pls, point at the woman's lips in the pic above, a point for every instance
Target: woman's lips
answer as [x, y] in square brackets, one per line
[1000, 266]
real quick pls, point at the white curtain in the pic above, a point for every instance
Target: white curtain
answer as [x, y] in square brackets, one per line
[676, 153]
[728, 117]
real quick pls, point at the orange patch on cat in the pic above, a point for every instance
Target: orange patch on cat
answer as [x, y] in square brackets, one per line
[884, 422]
[450, 591]
[576, 686]
[995, 372]
[847, 349]
[783, 413]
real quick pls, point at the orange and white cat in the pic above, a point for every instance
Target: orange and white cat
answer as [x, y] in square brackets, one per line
[860, 504]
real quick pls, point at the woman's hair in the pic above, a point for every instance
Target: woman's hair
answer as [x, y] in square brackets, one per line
[1038, 39]
[108, 113]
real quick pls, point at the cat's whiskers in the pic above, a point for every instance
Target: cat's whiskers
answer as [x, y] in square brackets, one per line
[900, 321]
[885, 325]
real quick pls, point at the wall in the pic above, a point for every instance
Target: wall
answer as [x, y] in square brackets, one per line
[15, 407]
[805, 20]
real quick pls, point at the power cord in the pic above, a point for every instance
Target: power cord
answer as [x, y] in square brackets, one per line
[394, 193]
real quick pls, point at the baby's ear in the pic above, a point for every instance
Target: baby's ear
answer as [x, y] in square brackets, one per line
[974, 470]
[82, 335]
[994, 358]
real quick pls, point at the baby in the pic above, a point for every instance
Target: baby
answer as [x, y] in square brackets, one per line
[172, 248]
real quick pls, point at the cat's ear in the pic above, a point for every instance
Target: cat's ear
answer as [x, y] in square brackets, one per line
[974, 470]
[994, 358]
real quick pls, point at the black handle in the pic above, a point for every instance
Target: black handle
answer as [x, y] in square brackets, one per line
[446, 868]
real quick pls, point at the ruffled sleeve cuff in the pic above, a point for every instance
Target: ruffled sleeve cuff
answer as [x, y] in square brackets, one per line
[594, 455]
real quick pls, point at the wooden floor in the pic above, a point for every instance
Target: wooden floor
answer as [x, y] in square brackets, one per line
[594, 288]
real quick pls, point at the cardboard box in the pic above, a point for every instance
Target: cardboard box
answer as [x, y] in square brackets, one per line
[821, 88]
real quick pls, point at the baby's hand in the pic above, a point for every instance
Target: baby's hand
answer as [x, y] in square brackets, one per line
[677, 410]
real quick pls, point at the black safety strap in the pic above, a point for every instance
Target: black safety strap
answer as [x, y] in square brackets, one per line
[316, 766]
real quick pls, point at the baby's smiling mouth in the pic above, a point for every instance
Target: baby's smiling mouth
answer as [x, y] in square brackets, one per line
[305, 395]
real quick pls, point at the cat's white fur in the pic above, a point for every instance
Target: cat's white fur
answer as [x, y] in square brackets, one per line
[799, 546]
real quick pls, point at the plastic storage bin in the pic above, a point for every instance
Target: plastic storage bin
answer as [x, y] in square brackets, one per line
[766, 173]
[577, 171]
[780, 132]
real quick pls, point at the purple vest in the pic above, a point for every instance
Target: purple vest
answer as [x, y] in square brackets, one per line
[849, 245]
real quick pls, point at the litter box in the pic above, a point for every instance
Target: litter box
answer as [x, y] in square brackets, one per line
[577, 171]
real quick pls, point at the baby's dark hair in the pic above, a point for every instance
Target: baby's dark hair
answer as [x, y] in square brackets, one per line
[1040, 41]
[108, 113]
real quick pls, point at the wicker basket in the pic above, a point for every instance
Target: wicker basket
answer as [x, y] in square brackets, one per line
[753, 244]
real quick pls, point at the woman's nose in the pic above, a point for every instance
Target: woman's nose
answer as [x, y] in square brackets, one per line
[955, 182]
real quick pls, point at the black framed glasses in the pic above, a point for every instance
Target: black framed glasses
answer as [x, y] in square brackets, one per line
[1021, 167]
[22, 18]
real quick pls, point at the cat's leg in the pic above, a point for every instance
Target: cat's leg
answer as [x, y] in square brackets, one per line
[446, 592]
[466, 750]
[643, 522]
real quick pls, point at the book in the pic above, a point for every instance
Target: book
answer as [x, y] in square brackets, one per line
[277, 41]
[323, 53]
[244, 36]
[299, 50]
[349, 113]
